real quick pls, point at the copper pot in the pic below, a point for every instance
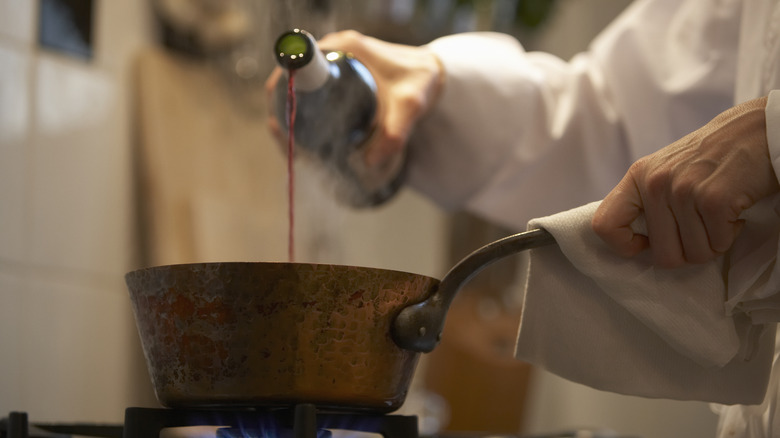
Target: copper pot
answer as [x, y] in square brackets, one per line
[277, 334]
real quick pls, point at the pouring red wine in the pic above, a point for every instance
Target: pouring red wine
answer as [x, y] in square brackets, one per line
[270, 334]
[328, 107]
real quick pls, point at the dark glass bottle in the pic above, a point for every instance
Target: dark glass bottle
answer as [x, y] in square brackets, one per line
[336, 109]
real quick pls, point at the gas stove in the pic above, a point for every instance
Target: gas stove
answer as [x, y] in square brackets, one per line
[300, 421]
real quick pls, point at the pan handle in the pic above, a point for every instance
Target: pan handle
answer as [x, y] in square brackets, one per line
[418, 327]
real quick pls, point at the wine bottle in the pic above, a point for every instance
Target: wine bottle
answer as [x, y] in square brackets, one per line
[335, 115]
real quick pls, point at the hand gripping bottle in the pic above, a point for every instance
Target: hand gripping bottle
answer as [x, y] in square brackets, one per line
[335, 115]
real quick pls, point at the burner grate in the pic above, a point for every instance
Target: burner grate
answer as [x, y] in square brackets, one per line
[300, 421]
[16, 425]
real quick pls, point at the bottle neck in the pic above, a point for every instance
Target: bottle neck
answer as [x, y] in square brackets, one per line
[314, 74]
[297, 52]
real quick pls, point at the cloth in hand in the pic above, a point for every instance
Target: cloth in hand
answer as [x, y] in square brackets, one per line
[621, 325]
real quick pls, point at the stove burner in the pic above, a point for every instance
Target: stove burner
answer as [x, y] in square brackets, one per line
[301, 421]
[234, 432]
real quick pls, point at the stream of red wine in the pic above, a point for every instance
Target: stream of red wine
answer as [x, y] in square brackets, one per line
[290, 167]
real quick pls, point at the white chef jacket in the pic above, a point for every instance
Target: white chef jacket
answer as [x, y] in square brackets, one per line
[517, 135]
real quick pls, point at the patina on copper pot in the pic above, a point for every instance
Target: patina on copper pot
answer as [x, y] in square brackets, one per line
[277, 334]
[259, 334]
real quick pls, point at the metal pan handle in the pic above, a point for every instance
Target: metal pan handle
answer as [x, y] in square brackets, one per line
[418, 327]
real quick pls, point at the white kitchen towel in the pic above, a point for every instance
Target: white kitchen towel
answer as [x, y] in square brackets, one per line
[621, 325]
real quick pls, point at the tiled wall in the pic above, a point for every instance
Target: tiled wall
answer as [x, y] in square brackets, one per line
[68, 348]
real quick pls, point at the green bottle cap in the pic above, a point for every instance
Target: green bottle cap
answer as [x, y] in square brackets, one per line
[294, 49]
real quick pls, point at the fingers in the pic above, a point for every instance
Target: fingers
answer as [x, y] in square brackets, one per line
[349, 41]
[401, 113]
[693, 191]
[677, 232]
[722, 232]
[676, 228]
[693, 242]
[614, 216]
[707, 227]
[408, 79]
[664, 236]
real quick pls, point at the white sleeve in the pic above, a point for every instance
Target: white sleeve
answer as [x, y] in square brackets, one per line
[756, 270]
[517, 134]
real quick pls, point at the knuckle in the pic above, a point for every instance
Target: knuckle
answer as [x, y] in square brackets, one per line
[656, 184]
[682, 190]
[411, 101]
[600, 226]
[349, 35]
[638, 166]
[711, 203]
[348, 40]
[392, 141]
[719, 204]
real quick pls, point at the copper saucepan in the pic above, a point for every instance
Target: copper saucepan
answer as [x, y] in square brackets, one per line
[276, 334]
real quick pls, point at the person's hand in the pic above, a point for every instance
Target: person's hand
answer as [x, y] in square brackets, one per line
[693, 191]
[408, 81]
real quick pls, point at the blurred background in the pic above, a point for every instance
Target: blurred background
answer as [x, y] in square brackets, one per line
[133, 134]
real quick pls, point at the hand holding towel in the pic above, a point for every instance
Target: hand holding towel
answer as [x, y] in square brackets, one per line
[702, 332]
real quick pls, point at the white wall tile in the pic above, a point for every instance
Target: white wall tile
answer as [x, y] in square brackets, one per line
[14, 133]
[120, 29]
[14, 94]
[12, 315]
[68, 346]
[75, 355]
[71, 96]
[80, 183]
[17, 19]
